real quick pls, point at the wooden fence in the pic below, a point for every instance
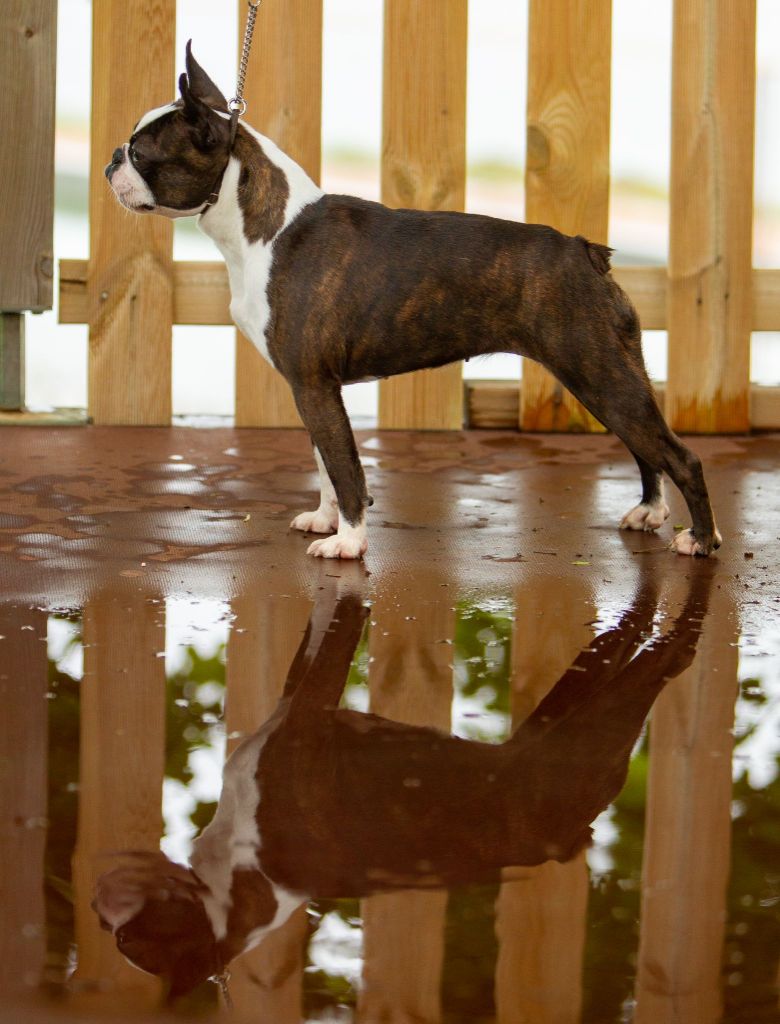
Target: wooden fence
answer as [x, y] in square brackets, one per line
[709, 298]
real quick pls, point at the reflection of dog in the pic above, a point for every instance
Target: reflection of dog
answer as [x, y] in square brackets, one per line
[333, 289]
[328, 802]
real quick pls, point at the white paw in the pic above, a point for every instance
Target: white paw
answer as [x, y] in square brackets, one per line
[321, 521]
[686, 544]
[339, 546]
[647, 516]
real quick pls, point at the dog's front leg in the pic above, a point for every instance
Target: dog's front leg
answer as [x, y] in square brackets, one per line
[324, 519]
[325, 417]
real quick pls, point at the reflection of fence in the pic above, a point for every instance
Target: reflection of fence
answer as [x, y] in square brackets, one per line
[542, 918]
[709, 298]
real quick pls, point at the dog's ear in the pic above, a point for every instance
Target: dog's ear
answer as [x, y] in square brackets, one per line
[209, 129]
[201, 86]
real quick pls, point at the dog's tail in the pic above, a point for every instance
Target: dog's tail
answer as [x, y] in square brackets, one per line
[625, 315]
[599, 255]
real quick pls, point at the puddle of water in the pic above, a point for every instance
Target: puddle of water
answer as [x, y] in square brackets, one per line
[407, 824]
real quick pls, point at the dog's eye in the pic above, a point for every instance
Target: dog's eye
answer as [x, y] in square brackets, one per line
[136, 158]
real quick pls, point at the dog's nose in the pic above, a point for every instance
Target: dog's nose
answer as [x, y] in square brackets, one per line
[116, 159]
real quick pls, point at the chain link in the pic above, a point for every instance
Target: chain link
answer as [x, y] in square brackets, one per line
[238, 104]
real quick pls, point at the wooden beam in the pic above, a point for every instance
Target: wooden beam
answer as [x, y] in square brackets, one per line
[28, 59]
[493, 404]
[130, 280]
[284, 93]
[567, 162]
[711, 215]
[424, 167]
[201, 294]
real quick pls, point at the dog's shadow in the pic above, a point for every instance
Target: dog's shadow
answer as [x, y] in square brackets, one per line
[348, 803]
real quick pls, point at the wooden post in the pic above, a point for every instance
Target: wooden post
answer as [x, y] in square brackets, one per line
[284, 93]
[424, 166]
[411, 681]
[121, 776]
[711, 215]
[28, 58]
[11, 360]
[567, 162]
[24, 679]
[541, 913]
[267, 982]
[688, 835]
[130, 283]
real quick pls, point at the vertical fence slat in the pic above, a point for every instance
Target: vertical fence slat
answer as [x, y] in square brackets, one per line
[121, 765]
[688, 835]
[410, 680]
[424, 166]
[541, 915]
[567, 162]
[130, 282]
[711, 215]
[266, 983]
[28, 60]
[284, 93]
[24, 680]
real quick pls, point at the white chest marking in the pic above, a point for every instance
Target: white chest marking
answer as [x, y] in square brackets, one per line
[249, 263]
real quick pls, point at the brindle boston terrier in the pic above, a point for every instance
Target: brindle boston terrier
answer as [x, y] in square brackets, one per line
[333, 289]
[327, 802]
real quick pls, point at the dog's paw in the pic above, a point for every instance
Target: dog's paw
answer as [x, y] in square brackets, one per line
[341, 545]
[647, 516]
[686, 544]
[322, 521]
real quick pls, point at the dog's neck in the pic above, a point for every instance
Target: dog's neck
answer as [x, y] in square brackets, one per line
[261, 193]
[242, 903]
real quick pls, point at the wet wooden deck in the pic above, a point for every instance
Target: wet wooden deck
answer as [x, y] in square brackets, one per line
[114, 529]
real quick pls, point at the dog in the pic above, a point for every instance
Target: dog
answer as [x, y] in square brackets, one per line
[325, 802]
[333, 289]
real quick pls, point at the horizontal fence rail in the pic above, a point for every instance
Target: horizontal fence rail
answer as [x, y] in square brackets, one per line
[709, 298]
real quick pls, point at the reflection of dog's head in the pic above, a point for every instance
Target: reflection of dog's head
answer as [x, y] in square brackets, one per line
[155, 911]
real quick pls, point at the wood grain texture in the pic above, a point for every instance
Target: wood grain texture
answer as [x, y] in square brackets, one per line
[688, 834]
[201, 294]
[410, 680]
[28, 56]
[711, 215]
[424, 167]
[266, 983]
[541, 912]
[121, 765]
[567, 161]
[130, 282]
[284, 93]
[493, 404]
[24, 681]
[12, 331]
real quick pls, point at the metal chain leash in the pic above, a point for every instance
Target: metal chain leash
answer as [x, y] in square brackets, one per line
[237, 105]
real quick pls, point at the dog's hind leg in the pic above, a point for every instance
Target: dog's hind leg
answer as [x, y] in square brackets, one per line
[617, 391]
[324, 416]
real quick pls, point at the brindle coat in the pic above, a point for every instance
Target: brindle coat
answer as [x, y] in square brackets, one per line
[358, 291]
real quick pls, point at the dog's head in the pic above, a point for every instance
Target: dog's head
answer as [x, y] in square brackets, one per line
[154, 909]
[177, 152]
